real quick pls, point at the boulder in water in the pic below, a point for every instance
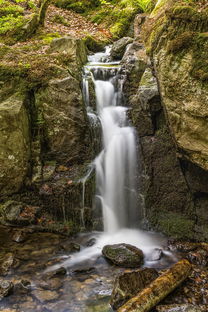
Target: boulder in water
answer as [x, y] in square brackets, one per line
[124, 255]
[128, 284]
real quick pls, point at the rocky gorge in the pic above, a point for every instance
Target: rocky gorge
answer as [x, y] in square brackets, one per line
[47, 145]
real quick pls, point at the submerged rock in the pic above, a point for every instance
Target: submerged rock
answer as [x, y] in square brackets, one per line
[70, 246]
[7, 262]
[124, 255]
[19, 236]
[155, 255]
[128, 284]
[180, 308]
[118, 48]
[45, 295]
[6, 288]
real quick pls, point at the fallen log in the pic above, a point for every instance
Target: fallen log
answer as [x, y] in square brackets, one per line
[158, 289]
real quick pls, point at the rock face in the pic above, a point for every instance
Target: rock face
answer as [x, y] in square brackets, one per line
[124, 255]
[128, 284]
[14, 144]
[45, 135]
[168, 103]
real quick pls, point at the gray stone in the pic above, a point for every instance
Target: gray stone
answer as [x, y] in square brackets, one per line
[74, 47]
[118, 48]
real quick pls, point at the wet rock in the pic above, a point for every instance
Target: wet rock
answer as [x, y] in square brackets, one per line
[119, 47]
[83, 269]
[48, 170]
[70, 246]
[124, 255]
[22, 288]
[198, 256]
[7, 262]
[180, 308]
[128, 284]
[155, 255]
[59, 271]
[19, 237]
[8, 310]
[18, 213]
[6, 288]
[182, 246]
[60, 306]
[45, 295]
[91, 242]
[51, 284]
[42, 252]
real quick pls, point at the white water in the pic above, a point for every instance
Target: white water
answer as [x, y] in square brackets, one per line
[116, 164]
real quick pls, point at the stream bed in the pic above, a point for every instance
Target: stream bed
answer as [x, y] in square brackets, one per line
[49, 273]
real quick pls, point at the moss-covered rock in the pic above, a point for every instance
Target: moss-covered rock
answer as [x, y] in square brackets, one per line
[124, 255]
[178, 45]
[14, 144]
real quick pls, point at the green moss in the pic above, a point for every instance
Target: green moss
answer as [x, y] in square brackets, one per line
[175, 225]
[93, 44]
[60, 20]
[49, 37]
[6, 8]
[200, 60]
[79, 6]
[11, 23]
[183, 41]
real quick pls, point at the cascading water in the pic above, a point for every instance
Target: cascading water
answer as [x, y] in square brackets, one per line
[116, 164]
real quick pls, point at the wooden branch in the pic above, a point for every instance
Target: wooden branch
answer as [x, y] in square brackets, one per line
[158, 289]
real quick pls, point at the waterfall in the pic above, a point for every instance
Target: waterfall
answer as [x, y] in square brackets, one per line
[115, 165]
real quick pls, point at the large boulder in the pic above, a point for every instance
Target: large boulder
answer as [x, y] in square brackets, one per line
[128, 284]
[75, 48]
[14, 144]
[124, 255]
[119, 47]
[180, 61]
